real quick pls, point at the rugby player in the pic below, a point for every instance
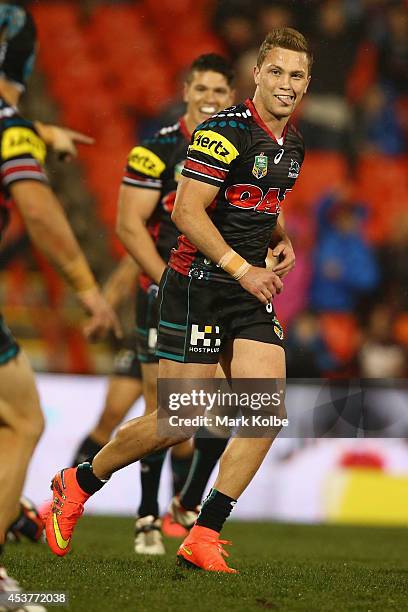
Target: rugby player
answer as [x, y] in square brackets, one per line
[240, 165]
[24, 182]
[145, 228]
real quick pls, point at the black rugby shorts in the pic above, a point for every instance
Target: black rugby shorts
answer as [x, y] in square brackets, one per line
[126, 362]
[146, 324]
[198, 317]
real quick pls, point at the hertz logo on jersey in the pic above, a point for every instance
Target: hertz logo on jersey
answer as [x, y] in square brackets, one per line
[215, 145]
[22, 141]
[145, 161]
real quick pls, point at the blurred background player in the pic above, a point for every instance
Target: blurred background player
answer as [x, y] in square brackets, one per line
[145, 228]
[24, 182]
[125, 384]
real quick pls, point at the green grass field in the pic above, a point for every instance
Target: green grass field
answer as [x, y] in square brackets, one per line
[282, 567]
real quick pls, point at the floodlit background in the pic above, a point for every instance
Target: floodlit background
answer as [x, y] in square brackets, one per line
[114, 70]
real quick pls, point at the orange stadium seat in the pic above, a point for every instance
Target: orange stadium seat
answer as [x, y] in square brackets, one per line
[401, 329]
[188, 45]
[78, 353]
[145, 94]
[17, 274]
[175, 10]
[53, 282]
[341, 334]
[115, 26]
[364, 72]
[102, 57]
[320, 173]
[73, 53]
[83, 78]
[383, 184]
[54, 14]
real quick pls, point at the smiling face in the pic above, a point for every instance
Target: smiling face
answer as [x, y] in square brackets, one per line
[282, 80]
[207, 93]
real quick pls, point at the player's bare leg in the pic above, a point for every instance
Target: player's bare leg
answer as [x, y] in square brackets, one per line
[209, 444]
[138, 437]
[239, 462]
[148, 536]
[21, 425]
[133, 440]
[148, 539]
[123, 392]
[243, 456]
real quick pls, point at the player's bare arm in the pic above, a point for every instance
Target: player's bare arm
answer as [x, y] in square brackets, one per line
[51, 233]
[282, 249]
[61, 139]
[121, 281]
[191, 218]
[134, 209]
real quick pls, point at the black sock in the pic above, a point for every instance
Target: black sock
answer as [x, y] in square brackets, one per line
[150, 472]
[87, 479]
[180, 468]
[86, 451]
[215, 511]
[206, 454]
[27, 523]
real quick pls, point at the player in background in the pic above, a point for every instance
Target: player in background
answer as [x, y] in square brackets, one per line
[24, 183]
[146, 230]
[125, 384]
[240, 165]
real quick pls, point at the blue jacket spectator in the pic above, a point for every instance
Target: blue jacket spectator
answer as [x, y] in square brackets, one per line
[344, 264]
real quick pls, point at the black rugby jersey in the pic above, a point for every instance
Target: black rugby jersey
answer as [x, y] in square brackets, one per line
[235, 151]
[22, 154]
[157, 164]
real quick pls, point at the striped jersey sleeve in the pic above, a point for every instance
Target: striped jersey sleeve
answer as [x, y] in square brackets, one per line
[212, 150]
[23, 154]
[145, 167]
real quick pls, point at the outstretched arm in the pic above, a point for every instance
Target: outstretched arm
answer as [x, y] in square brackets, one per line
[51, 233]
[62, 140]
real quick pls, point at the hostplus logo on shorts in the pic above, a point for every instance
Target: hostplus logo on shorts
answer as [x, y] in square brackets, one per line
[205, 340]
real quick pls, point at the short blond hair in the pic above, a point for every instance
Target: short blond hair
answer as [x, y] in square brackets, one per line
[285, 38]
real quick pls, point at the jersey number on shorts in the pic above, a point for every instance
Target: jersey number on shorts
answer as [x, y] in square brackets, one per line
[251, 196]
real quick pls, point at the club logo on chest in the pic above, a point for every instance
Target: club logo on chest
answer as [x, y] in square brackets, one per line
[260, 167]
[294, 169]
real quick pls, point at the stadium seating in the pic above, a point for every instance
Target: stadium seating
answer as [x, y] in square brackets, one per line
[341, 334]
[401, 329]
[320, 173]
[127, 49]
[383, 184]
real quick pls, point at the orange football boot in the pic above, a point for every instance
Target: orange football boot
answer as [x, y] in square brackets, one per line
[202, 549]
[67, 508]
[171, 528]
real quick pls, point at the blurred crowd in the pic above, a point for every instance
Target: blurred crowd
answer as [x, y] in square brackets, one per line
[346, 302]
[358, 99]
